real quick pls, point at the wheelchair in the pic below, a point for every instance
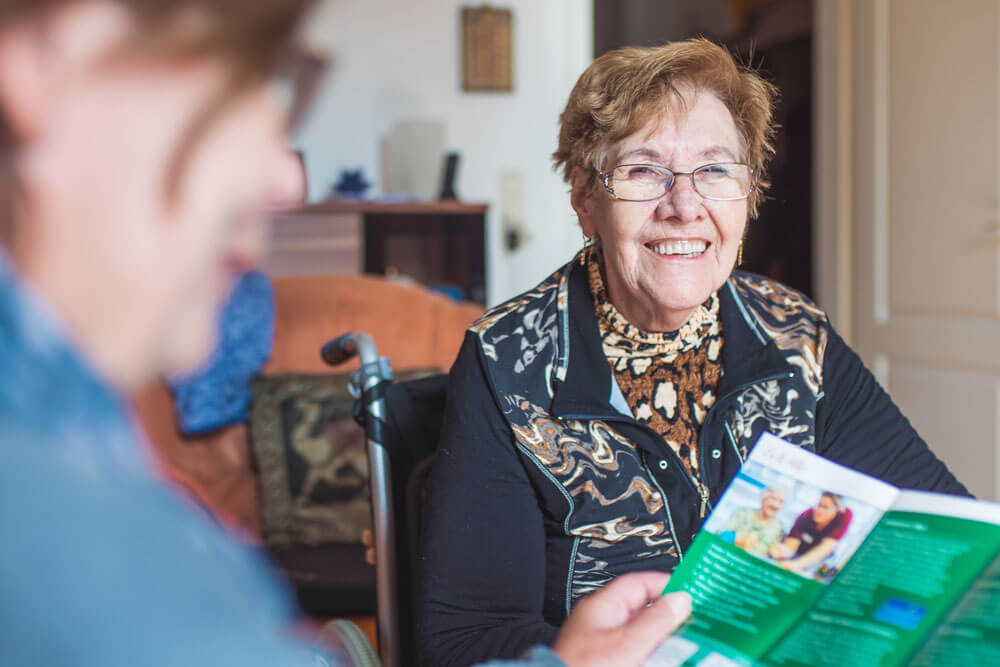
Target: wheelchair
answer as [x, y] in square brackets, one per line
[402, 423]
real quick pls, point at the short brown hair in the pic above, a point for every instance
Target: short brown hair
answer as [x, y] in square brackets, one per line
[252, 36]
[623, 90]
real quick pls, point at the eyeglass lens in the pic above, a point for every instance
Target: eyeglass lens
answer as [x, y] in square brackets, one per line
[641, 182]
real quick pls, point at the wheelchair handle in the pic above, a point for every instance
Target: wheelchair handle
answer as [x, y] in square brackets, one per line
[347, 346]
[369, 381]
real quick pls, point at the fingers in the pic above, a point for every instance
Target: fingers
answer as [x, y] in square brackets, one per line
[626, 620]
[631, 592]
[654, 623]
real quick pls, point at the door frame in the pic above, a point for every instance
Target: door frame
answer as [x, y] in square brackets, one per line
[832, 161]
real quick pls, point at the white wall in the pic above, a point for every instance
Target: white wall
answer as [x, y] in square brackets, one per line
[399, 59]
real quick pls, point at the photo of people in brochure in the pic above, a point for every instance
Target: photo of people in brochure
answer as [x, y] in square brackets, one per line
[793, 524]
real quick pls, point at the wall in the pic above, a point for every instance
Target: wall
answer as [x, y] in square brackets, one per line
[398, 60]
[654, 22]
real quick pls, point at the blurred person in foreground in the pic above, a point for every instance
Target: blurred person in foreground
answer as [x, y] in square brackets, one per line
[594, 420]
[140, 141]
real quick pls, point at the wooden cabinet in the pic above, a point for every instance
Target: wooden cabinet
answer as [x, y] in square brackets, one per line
[440, 244]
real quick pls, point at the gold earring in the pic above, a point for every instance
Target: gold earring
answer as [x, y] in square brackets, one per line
[589, 243]
[739, 254]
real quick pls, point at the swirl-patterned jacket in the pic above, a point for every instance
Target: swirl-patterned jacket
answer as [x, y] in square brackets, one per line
[545, 487]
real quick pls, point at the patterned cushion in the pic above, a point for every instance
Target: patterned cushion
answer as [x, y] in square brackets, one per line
[311, 459]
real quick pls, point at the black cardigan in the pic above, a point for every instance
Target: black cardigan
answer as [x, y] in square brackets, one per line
[544, 487]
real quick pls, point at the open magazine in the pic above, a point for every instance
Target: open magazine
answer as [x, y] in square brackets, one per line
[805, 562]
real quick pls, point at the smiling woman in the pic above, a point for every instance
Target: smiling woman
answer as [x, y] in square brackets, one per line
[594, 420]
[668, 245]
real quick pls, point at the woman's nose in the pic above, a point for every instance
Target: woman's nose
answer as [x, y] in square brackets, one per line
[682, 201]
[287, 187]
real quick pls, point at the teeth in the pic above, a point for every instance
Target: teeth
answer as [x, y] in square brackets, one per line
[684, 247]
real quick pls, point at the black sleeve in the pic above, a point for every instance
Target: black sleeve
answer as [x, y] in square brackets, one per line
[484, 541]
[859, 426]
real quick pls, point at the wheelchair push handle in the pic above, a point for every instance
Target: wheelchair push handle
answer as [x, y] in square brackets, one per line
[347, 346]
[368, 385]
[339, 350]
[365, 382]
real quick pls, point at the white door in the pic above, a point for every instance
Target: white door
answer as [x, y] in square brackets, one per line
[918, 208]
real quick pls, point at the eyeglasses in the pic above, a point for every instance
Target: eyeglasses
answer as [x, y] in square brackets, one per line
[721, 181]
[295, 82]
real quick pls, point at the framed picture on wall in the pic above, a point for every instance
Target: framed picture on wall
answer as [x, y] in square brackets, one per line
[487, 59]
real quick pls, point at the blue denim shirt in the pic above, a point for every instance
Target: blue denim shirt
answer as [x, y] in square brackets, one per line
[100, 563]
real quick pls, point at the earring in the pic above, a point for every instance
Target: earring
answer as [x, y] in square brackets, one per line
[739, 254]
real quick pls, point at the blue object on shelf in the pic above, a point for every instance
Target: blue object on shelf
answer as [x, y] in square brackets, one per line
[352, 183]
[453, 292]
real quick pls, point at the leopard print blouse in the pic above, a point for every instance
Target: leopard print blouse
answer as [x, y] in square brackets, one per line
[669, 380]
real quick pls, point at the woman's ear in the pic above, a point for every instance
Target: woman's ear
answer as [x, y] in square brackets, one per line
[23, 78]
[582, 198]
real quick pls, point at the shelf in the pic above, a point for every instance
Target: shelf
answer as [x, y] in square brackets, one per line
[399, 208]
[440, 244]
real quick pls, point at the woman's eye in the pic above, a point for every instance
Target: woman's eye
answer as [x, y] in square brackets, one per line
[642, 172]
[713, 173]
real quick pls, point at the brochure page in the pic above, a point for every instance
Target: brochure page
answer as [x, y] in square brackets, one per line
[785, 527]
[918, 562]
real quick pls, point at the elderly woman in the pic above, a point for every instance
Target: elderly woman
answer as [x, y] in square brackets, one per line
[139, 141]
[757, 529]
[594, 420]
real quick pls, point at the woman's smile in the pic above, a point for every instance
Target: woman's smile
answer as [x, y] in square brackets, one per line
[679, 248]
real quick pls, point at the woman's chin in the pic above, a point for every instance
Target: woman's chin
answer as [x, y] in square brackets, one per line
[681, 291]
[190, 355]
[190, 338]
[687, 282]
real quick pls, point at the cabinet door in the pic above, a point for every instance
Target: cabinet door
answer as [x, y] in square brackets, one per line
[315, 244]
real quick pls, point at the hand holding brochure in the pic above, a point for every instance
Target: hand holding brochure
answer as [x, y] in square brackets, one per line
[805, 562]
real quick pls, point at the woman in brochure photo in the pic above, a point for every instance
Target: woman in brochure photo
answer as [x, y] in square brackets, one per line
[815, 535]
[594, 420]
[756, 529]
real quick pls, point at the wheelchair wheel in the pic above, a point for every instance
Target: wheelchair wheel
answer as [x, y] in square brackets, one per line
[351, 639]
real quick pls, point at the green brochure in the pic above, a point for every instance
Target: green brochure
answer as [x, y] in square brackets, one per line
[805, 562]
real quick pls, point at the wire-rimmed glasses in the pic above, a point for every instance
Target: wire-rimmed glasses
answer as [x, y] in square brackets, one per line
[721, 181]
[295, 81]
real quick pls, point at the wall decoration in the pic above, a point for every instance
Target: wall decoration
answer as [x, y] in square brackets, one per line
[487, 54]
